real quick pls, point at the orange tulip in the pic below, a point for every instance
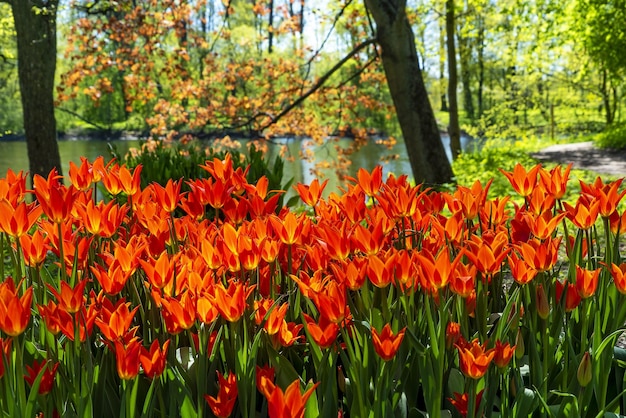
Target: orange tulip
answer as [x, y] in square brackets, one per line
[290, 403]
[275, 319]
[461, 402]
[160, 272]
[474, 360]
[380, 273]
[463, 280]
[540, 255]
[584, 214]
[586, 281]
[82, 177]
[520, 270]
[5, 353]
[70, 300]
[555, 181]
[488, 252]
[619, 277]
[265, 380]
[178, 313]
[572, 298]
[370, 183]
[113, 280]
[116, 323]
[15, 311]
[288, 333]
[17, 221]
[206, 311]
[503, 354]
[47, 377]
[323, 334]
[231, 303]
[330, 301]
[35, 248]
[311, 194]
[55, 199]
[222, 405]
[291, 228]
[437, 270]
[523, 181]
[386, 344]
[127, 357]
[168, 196]
[154, 360]
[544, 225]
[453, 334]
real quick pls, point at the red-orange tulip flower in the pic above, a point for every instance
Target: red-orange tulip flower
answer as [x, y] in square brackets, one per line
[330, 301]
[154, 360]
[160, 272]
[572, 298]
[461, 402]
[540, 255]
[437, 270]
[474, 360]
[619, 277]
[113, 280]
[586, 281]
[275, 319]
[503, 354]
[5, 353]
[523, 181]
[265, 380]
[370, 183]
[206, 311]
[222, 405]
[291, 228]
[555, 181]
[35, 248]
[289, 333]
[488, 252]
[17, 221]
[584, 214]
[231, 302]
[453, 334]
[386, 344]
[323, 334]
[55, 199]
[290, 403]
[115, 324]
[127, 357]
[168, 196]
[15, 311]
[70, 300]
[520, 270]
[311, 194]
[178, 313]
[47, 377]
[130, 183]
[463, 280]
[380, 273]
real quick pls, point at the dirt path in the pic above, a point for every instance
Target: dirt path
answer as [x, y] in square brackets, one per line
[585, 155]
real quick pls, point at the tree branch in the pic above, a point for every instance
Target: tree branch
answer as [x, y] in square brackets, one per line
[320, 82]
[100, 127]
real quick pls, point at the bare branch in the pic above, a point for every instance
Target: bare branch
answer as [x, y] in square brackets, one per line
[320, 82]
[100, 127]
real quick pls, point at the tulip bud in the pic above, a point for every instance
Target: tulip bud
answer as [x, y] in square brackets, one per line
[584, 370]
[543, 307]
[453, 333]
[519, 345]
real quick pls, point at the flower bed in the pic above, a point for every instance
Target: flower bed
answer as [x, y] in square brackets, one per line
[384, 300]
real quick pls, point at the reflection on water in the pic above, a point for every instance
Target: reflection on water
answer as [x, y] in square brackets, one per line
[13, 155]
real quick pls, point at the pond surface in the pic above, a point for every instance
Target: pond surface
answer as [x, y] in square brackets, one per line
[13, 155]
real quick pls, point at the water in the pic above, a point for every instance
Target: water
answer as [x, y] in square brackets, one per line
[13, 155]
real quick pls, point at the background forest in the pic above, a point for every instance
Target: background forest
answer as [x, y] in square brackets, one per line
[206, 68]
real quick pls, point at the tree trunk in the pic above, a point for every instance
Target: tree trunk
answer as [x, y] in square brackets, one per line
[481, 65]
[427, 155]
[442, 65]
[454, 131]
[35, 26]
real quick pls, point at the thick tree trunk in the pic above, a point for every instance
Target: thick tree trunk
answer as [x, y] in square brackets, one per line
[454, 130]
[427, 155]
[35, 26]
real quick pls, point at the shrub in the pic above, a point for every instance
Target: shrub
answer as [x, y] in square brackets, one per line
[613, 137]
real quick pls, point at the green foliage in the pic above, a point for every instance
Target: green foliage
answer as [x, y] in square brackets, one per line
[613, 137]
